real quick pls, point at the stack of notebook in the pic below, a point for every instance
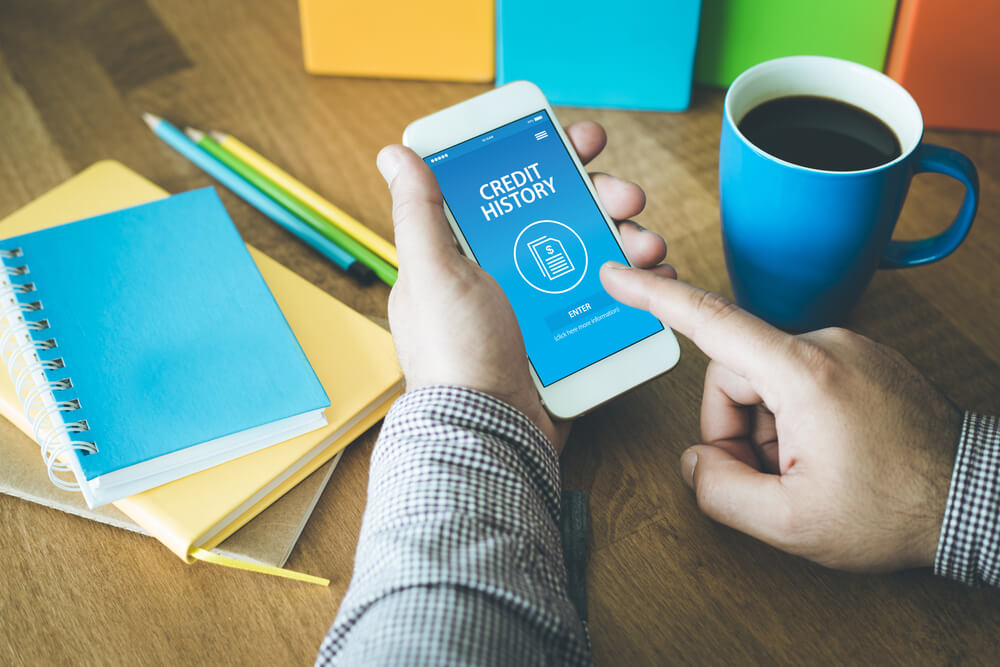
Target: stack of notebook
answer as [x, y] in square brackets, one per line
[162, 365]
[267, 539]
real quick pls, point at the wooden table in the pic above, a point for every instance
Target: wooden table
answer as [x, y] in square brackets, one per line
[665, 583]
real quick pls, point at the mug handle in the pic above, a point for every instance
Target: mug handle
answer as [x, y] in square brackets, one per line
[940, 160]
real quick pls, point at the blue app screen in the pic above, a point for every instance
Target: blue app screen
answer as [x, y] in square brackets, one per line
[533, 225]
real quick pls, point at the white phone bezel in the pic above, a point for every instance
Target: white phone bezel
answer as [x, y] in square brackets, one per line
[602, 380]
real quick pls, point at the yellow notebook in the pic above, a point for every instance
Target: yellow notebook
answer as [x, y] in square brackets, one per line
[353, 358]
[451, 40]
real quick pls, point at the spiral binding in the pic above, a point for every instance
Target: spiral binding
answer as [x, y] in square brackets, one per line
[20, 351]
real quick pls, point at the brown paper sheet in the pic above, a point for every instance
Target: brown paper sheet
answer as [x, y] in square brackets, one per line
[267, 539]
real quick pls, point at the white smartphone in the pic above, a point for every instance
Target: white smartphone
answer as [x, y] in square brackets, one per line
[522, 206]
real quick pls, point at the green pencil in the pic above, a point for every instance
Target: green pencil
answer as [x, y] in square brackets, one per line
[385, 271]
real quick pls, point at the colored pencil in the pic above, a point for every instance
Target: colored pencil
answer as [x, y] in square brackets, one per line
[183, 145]
[385, 271]
[309, 197]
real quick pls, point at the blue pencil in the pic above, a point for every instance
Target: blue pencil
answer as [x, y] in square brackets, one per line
[260, 201]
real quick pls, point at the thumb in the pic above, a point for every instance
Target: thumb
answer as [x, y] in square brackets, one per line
[421, 228]
[736, 494]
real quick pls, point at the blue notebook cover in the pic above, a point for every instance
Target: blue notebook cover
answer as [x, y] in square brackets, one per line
[168, 332]
[632, 54]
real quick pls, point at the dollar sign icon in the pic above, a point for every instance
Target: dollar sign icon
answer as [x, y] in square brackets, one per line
[555, 262]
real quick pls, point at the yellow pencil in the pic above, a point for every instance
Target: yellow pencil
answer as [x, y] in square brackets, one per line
[309, 197]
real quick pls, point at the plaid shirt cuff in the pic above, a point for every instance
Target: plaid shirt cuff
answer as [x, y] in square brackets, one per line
[459, 560]
[969, 547]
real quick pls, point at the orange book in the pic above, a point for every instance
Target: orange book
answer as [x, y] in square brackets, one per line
[946, 55]
[451, 40]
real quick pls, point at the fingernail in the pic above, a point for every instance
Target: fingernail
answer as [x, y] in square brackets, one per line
[388, 164]
[615, 266]
[689, 461]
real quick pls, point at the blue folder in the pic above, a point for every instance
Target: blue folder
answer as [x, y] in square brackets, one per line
[630, 54]
[178, 356]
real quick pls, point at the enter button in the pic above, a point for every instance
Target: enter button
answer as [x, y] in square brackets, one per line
[574, 313]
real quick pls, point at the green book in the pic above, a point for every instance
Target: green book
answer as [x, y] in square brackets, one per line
[737, 34]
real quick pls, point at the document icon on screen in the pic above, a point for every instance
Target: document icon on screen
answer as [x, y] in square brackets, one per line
[551, 257]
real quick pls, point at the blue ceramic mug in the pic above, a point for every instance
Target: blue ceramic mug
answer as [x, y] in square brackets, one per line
[802, 244]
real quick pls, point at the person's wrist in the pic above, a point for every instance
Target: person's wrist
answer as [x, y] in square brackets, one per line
[528, 404]
[927, 543]
[555, 432]
[524, 401]
[938, 486]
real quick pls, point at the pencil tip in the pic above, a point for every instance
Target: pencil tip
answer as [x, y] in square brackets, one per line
[218, 136]
[196, 135]
[150, 119]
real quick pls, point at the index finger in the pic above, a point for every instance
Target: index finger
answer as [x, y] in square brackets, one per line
[588, 139]
[725, 332]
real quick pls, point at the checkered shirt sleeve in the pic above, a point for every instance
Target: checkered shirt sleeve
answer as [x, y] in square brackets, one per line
[969, 546]
[459, 560]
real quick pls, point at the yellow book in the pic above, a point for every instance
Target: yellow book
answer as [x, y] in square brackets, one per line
[353, 358]
[451, 40]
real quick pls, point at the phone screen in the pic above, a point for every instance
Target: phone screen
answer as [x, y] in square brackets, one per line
[533, 225]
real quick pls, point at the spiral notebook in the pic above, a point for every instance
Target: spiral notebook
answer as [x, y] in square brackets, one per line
[353, 357]
[145, 346]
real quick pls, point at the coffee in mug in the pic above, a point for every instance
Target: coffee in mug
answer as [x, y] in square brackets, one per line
[820, 133]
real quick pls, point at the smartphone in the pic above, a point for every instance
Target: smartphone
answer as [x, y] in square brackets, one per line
[521, 205]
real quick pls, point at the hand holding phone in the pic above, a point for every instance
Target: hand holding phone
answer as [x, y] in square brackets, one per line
[521, 206]
[443, 302]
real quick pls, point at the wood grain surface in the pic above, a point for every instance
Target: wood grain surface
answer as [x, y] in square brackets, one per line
[666, 585]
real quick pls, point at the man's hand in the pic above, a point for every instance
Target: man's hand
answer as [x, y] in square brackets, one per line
[826, 445]
[451, 322]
